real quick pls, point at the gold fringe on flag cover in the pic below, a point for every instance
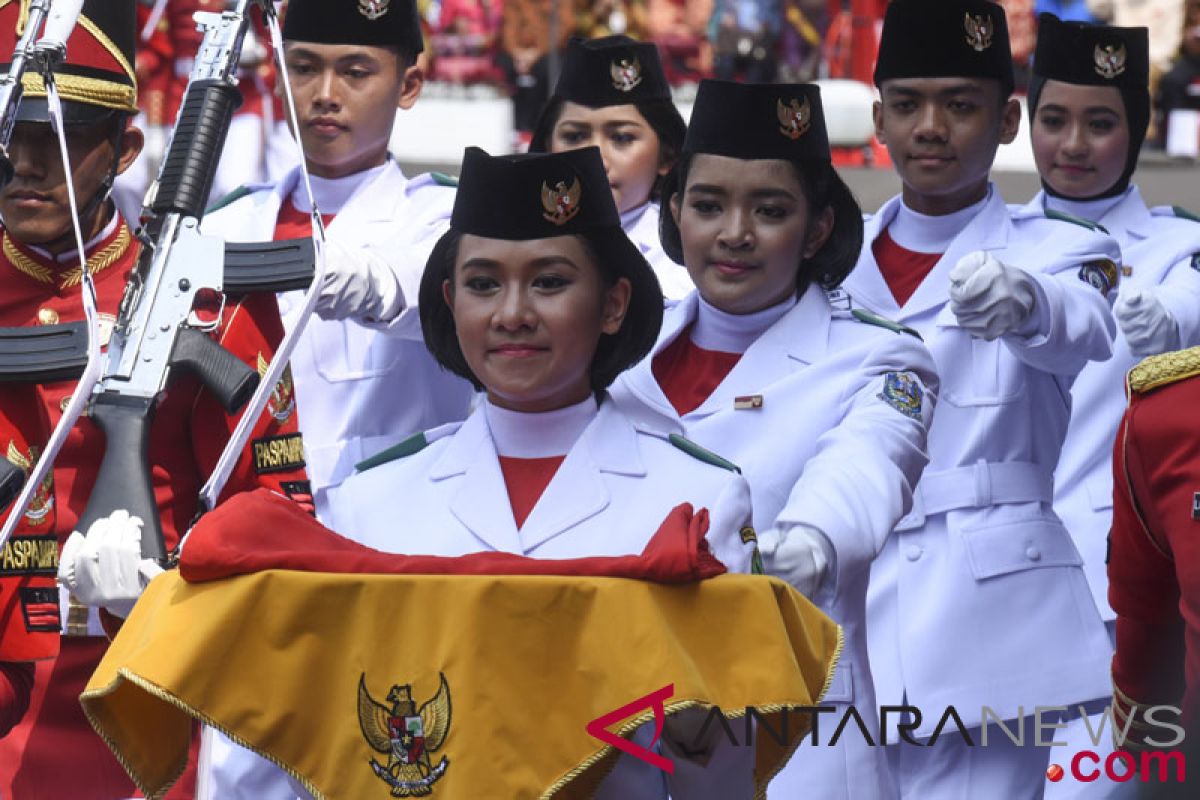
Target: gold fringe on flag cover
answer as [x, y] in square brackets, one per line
[482, 683]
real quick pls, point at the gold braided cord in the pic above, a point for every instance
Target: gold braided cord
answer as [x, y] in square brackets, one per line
[81, 89]
[1163, 369]
[99, 262]
[25, 264]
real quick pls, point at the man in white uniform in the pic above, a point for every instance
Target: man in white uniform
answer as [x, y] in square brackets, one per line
[363, 379]
[979, 599]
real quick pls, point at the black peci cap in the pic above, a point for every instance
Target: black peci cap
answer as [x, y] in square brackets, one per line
[376, 23]
[758, 120]
[97, 79]
[611, 71]
[945, 39]
[1092, 55]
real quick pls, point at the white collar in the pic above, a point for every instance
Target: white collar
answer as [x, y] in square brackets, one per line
[332, 194]
[538, 435]
[925, 233]
[1091, 210]
[734, 333]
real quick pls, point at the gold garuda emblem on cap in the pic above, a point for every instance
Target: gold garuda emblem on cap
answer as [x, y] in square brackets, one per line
[373, 9]
[561, 202]
[626, 74]
[1110, 60]
[42, 502]
[406, 735]
[283, 398]
[795, 118]
[980, 30]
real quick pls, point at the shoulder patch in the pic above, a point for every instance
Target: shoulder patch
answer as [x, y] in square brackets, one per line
[1074, 220]
[702, 454]
[1174, 211]
[442, 179]
[862, 315]
[229, 199]
[1163, 369]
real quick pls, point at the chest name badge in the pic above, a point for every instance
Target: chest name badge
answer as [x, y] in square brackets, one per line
[748, 402]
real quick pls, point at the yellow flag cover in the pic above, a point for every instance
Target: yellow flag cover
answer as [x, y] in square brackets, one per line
[475, 685]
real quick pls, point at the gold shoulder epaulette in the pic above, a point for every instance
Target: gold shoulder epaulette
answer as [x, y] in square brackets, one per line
[1164, 368]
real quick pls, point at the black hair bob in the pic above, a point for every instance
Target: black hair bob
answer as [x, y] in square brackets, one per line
[823, 188]
[661, 115]
[615, 353]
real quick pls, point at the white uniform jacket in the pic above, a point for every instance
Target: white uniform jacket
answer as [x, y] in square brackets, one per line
[1158, 250]
[361, 389]
[641, 226]
[824, 448]
[980, 598]
[608, 498]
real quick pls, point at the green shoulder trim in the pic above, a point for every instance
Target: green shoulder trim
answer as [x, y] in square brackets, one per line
[413, 444]
[1183, 213]
[707, 456]
[1074, 220]
[442, 179]
[862, 315]
[232, 197]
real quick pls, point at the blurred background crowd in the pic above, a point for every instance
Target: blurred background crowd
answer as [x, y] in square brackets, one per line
[481, 53]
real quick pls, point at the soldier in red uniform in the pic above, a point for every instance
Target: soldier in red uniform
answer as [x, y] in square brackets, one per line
[1154, 585]
[29, 617]
[53, 753]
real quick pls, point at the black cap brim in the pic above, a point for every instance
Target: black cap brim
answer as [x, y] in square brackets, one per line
[37, 109]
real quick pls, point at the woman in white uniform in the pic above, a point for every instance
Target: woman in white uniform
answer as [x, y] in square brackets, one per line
[613, 94]
[1090, 106]
[537, 297]
[825, 411]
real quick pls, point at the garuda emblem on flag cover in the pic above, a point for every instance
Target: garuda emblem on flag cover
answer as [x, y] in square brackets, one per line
[407, 736]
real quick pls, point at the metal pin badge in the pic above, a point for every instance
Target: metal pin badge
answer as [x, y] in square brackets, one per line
[748, 401]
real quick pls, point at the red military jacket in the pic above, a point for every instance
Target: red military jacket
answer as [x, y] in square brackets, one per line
[190, 427]
[1154, 556]
[29, 618]
[189, 431]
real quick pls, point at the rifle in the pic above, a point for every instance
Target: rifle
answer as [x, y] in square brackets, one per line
[156, 333]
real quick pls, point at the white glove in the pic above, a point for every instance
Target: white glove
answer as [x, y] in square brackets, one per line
[799, 554]
[106, 567]
[990, 299]
[1148, 326]
[358, 285]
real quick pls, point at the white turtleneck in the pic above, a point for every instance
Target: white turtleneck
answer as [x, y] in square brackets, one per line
[332, 194]
[924, 233]
[544, 434]
[71, 257]
[734, 333]
[1091, 210]
[633, 216]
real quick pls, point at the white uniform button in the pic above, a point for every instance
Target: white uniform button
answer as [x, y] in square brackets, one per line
[1032, 553]
[912, 552]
